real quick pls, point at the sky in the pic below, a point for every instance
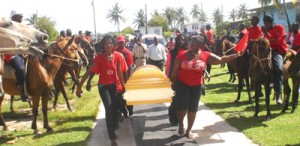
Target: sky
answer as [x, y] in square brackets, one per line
[78, 14]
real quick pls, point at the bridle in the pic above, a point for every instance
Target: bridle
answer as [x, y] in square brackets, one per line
[257, 57]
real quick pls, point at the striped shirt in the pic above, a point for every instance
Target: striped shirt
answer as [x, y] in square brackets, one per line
[138, 51]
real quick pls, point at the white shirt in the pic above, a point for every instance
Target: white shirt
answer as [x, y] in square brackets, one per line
[157, 52]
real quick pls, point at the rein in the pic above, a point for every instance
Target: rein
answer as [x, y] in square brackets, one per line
[260, 60]
[62, 57]
[224, 53]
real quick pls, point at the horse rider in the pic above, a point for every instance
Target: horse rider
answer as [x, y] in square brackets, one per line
[275, 33]
[17, 61]
[62, 36]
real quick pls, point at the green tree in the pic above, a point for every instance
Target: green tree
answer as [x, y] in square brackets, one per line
[169, 13]
[182, 16]
[242, 12]
[128, 30]
[45, 23]
[115, 15]
[32, 20]
[233, 15]
[222, 27]
[195, 12]
[263, 4]
[217, 16]
[159, 21]
[203, 16]
[155, 13]
[140, 20]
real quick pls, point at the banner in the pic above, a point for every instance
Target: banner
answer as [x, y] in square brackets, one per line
[242, 44]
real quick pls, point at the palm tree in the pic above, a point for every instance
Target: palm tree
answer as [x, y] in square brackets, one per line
[114, 15]
[140, 20]
[263, 4]
[182, 16]
[169, 13]
[242, 12]
[203, 16]
[195, 12]
[217, 16]
[155, 13]
[232, 14]
[32, 20]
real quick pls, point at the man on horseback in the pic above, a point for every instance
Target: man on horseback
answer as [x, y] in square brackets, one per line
[276, 35]
[17, 61]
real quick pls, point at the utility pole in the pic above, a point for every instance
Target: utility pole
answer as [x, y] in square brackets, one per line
[93, 4]
[146, 19]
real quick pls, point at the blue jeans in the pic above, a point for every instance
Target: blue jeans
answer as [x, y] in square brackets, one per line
[277, 59]
[18, 64]
[108, 95]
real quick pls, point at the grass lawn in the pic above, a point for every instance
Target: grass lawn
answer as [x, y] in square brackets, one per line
[282, 129]
[70, 128]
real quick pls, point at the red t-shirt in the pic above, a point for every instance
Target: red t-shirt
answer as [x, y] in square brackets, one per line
[296, 41]
[276, 36]
[127, 55]
[210, 37]
[254, 32]
[122, 60]
[106, 69]
[191, 71]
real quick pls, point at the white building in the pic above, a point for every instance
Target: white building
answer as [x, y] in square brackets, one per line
[152, 30]
[194, 27]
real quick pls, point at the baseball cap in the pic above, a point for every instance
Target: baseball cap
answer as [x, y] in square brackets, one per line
[121, 38]
[14, 12]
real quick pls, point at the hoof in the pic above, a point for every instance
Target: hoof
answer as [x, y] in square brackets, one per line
[37, 132]
[267, 118]
[236, 101]
[49, 130]
[293, 111]
[282, 112]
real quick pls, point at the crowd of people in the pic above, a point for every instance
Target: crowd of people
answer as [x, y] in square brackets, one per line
[185, 63]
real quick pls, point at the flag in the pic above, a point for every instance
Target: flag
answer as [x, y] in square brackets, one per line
[242, 44]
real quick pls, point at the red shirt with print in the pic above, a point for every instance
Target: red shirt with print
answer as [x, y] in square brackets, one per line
[276, 36]
[106, 69]
[254, 33]
[191, 71]
[127, 55]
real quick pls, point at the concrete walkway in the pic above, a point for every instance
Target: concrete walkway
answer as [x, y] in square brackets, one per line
[149, 126]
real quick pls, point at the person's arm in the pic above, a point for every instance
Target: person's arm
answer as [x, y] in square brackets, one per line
[87, 74]
[175, 70]
[214, 59]
[164, 54]
[120, 75]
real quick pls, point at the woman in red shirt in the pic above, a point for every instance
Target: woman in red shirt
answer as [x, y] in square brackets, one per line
[108, 66]
[187, 77]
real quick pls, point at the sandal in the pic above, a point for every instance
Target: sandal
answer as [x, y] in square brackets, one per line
[180, 130]
[189, 135]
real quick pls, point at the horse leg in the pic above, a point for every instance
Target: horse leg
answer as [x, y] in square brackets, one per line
[11, 107]
[35, 110]
[234, 78]
[56, 94]
[240, 87]
[295, 94]
[287, 92]
[256, 87]
[248, 88]
[63, 91]
[267, 100]
[45, 111]
[2, 122]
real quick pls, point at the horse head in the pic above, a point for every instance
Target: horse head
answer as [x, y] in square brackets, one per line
[261, 55]
[86, 51]
[37, 38]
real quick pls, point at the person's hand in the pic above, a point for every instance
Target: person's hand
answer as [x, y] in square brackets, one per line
[123, 90]
[240, 53]
[88, 86]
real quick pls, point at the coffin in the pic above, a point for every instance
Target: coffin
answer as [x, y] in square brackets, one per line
[148, 85]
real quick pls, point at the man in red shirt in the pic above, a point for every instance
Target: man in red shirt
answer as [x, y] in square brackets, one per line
[254, 31]
[209, 34]
[276, 35]
[296, 37]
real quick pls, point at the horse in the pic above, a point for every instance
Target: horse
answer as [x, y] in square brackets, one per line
[40, 76]
[20, 38]
[290, 70]
[73, 70]
[240, 66]
[216, 49]
[261, 72]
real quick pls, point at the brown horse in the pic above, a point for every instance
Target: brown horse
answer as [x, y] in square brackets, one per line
[291, 70]
[40, 76]
[21, 38]
[240, 66]
[261, 72]
[72, 68]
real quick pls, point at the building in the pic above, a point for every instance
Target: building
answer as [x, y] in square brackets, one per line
[193, 28]
[293, 10]
[151, 30]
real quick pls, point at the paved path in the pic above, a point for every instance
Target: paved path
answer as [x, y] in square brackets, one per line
[149, 126]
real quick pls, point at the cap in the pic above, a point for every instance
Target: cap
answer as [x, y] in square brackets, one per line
[121, 38]
[13, 13]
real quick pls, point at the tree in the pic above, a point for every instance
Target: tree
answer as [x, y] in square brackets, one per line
[181, 16]
[264, 3]
[115, 15]
[242, 12]
[155, 13]
[45, 23]
[128, 30]
[32, 20]
[159, 21]
[217, 16]
[203, 17]
[195, 12]
[233, 14]
[140, 20]
[169, 13]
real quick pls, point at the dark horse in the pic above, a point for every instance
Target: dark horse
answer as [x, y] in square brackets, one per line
[261, 72]
[240, 66]
[291, 70]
